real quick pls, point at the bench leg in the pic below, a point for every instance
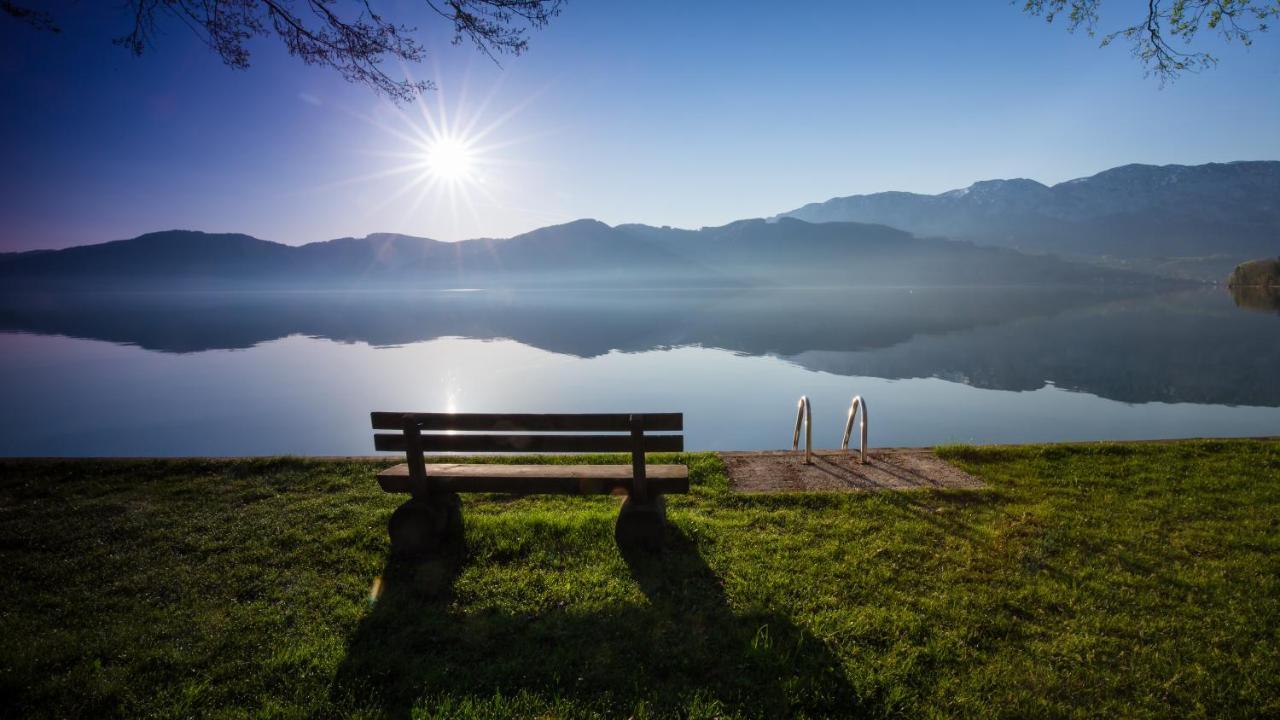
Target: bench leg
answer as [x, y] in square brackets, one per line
[425, 526]
[641, 525]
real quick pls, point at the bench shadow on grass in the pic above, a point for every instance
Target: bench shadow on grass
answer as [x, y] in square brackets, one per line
[682, 648]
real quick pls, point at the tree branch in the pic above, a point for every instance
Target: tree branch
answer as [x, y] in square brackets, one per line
[356, 43]
[1166, 20]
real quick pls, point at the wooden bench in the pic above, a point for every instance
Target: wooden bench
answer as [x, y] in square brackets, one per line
[433, 516]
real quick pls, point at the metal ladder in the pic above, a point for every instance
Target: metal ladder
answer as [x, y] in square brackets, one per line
[804, 416]
[857, 404]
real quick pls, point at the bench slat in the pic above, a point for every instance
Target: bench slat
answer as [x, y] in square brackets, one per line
[540, 479]
[585, 422]
[432, 442]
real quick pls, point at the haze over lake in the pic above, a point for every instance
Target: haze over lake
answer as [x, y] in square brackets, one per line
[236, 373]
[184, 342]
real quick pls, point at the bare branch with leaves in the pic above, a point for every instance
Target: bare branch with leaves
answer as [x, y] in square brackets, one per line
[348, 36]
[1166, 22]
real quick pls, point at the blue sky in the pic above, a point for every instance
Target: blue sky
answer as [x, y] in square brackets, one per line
[675, 113]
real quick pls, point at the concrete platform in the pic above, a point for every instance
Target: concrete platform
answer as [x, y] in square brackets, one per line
[838, 471]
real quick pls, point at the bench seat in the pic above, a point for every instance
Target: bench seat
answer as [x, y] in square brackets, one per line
[528, 479]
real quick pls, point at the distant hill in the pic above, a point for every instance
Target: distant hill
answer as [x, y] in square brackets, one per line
[577, 252]
[1229, 210]
[801, 253]
[177, 253]
[581, 253]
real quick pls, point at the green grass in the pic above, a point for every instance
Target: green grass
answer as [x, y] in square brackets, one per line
[1090, 581]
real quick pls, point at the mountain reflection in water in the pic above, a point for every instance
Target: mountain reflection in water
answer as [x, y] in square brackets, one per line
[271, 373]
[1186, 347]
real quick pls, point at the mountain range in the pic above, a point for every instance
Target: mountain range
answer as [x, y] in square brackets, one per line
[1196, 221]
[1230, 210]
[578, 254]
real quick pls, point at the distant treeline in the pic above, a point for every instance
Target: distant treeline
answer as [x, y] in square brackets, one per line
[1256, 273]
[1256, 284]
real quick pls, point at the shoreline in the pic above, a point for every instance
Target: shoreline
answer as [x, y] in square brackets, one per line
[872, 449]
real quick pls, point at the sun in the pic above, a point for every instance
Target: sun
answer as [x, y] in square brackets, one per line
[449, 159]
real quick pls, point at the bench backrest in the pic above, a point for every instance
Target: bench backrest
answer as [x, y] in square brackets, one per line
[488, 433]
[418, 433]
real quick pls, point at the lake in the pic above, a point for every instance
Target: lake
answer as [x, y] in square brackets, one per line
[298, 372]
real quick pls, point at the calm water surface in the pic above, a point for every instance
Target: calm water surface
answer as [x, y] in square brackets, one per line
[267, 373]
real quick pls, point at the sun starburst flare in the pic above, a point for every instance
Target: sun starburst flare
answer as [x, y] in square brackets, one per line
[445, 163]
[451, 166]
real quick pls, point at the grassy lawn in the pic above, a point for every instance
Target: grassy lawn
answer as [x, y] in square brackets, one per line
[1103, 580]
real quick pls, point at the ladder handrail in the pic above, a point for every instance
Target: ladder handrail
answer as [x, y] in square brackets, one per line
[804, 415]
[857, 404]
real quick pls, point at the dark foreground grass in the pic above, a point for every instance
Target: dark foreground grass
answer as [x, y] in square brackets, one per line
[1105, 580]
